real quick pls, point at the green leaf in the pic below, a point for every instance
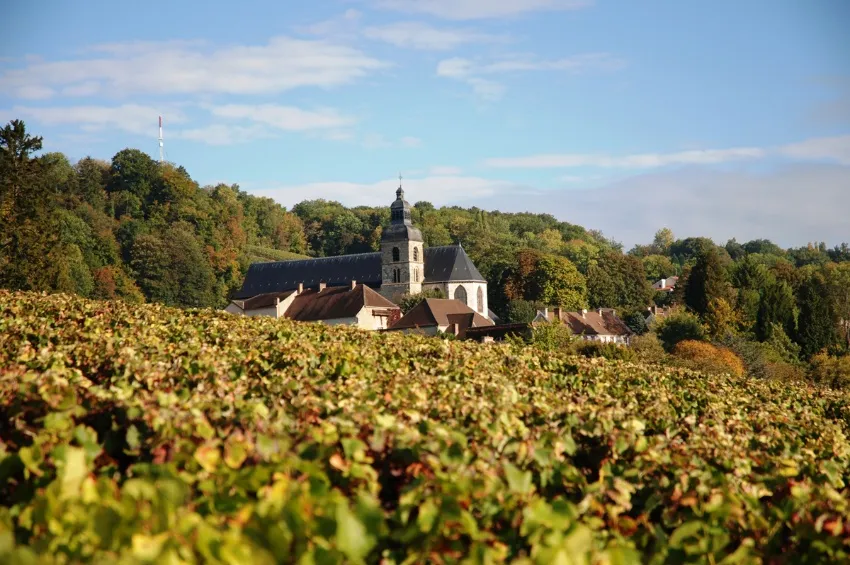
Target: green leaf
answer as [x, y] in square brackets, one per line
[519, 481]
[351, 535]
[74, 470]
[685, 531]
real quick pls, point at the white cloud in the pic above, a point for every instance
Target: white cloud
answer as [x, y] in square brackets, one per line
[792, 205]
[339, 27]
[378, 141]
[418, 35]
[178, 67]
[133, 118]
[222, 134]
[439, 190]
[445, 171]
[639, 161]
[287, 118]
[471, 72]
[835, 149]
[825, 148]
[480, 9]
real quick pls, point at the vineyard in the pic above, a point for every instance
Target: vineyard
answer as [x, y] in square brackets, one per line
[145, 434]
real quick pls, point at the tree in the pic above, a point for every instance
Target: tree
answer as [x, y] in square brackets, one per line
[560, 283]
[776, 306]
[658, 267]
[521, 311]
[817, 325]
[135, 172]
[618, 280]
[707, 281]
[679, 326]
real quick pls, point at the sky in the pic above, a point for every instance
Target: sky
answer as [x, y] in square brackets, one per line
[722, 118]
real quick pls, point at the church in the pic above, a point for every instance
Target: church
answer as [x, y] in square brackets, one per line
[403, 266]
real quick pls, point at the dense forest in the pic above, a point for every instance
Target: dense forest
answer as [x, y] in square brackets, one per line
[138, 230]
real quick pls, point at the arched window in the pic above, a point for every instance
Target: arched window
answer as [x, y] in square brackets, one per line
[395, 254]
[460, 294]
[480, 299]
[416, 254]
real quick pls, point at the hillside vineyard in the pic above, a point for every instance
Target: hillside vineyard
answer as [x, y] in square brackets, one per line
[146, 434]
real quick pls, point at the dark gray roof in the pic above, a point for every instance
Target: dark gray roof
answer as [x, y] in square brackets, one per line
[279, 276]
[449, 263]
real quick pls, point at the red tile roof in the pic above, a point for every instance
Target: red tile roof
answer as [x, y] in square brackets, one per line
[441, 312]
[332, 303]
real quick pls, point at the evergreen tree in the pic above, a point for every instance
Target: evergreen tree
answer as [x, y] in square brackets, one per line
[816, 326]
[776, 306]
[707, 281]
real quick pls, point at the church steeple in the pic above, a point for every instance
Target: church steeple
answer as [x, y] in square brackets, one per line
[400, 209]
[402, 253]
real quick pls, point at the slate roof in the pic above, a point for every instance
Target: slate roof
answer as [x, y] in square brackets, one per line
[449, 263]
[440, 312]
[334, 302]
[442, 264]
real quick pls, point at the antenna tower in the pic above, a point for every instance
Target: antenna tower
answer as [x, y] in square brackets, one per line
[161, 156]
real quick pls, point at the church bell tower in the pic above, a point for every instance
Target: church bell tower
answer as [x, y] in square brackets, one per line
[402, 252]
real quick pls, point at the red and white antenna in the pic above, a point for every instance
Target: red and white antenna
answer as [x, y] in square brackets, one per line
[161, 155]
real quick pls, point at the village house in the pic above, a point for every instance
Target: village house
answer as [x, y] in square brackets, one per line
[439, 315]
[403, 266]
[665, 285]
[602, 325]
[355, 305]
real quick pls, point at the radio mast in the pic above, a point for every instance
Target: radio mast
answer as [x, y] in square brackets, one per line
[161, 150]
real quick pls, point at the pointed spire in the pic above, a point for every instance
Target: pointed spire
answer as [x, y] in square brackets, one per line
[400, 192]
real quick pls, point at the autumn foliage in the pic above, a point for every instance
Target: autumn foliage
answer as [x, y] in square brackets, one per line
[703, 356]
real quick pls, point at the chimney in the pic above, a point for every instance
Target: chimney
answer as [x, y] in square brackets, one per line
[583, 312]
[663, 283]
[353, 284]
[300, 287]
[322, 286]
[557, 312]
[277, 301]
[546, 313]
[599, 311]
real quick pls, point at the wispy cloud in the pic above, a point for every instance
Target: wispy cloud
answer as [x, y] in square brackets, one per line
[132, 118]
[441, 171]
[286, 118]
[472, 72]
[124, 69]
[378, 141]
[223, 134]
[835, 149]
[438, 190]
[349, 26]
[480, 9]
[419, 35]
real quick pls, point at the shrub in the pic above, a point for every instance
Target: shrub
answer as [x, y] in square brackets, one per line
[708, 358]
[831, 371]
[648, 348]
[553, 336]
[679, 326]
[606, 350]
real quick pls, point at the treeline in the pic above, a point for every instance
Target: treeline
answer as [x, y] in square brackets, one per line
[137, 230]
[130, 228]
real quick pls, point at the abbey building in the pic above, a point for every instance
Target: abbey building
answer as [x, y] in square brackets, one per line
[403, 266]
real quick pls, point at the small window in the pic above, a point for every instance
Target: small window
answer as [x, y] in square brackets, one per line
[416, 254]
[460, 294]
[396, 254]
[416, 273]
[480, 299]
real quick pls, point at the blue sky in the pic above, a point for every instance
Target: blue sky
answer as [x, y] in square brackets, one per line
[723, 118]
